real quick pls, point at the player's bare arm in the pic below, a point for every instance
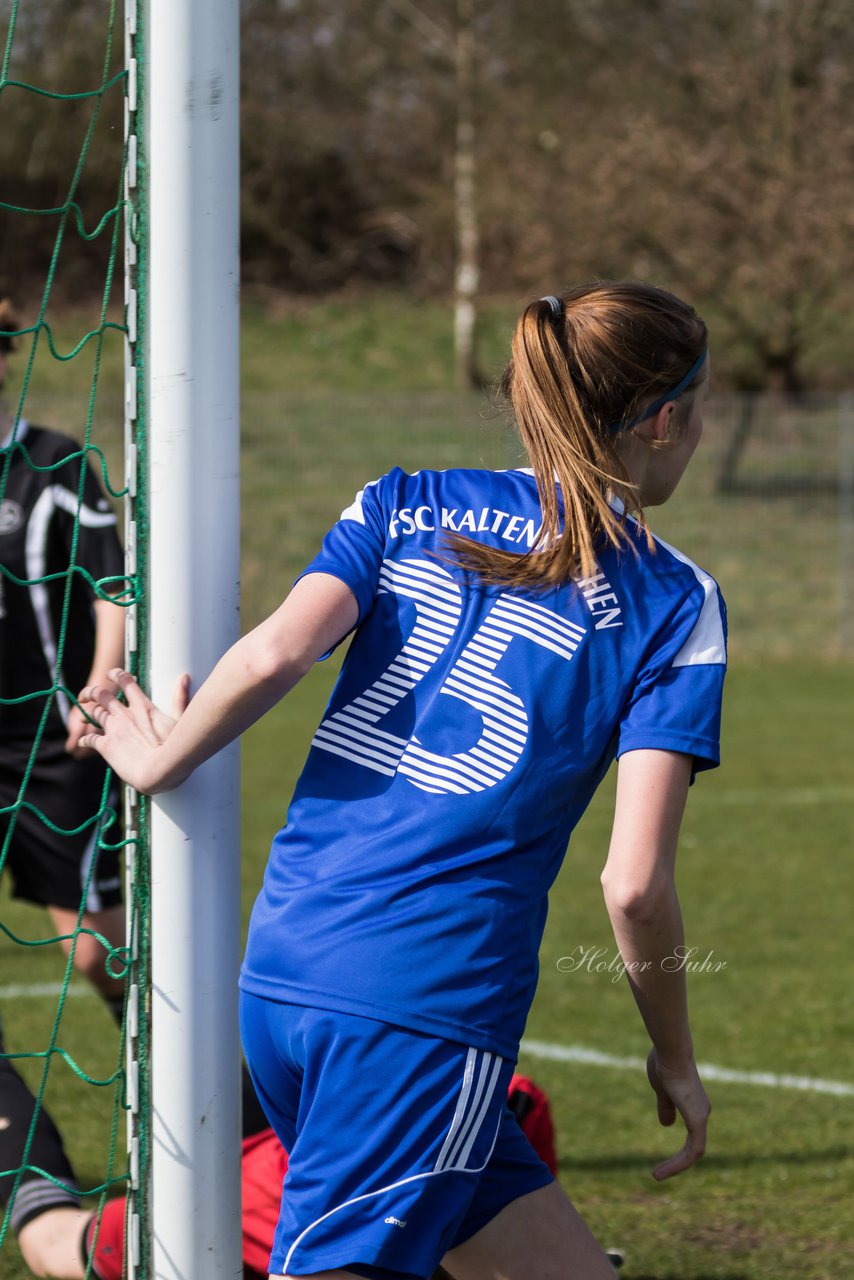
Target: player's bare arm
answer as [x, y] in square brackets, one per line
[640, 893]
[154, 752]
[108, 655]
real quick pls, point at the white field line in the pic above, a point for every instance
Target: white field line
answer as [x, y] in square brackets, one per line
[573, 1053]
[33, 990]
[576, 1053]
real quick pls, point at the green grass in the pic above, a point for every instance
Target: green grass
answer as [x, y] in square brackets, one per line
[335, 394]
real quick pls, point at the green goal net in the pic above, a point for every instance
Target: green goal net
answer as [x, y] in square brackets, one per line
[66, 99]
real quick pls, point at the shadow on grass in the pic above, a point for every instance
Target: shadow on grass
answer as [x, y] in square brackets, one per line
[605, 1163]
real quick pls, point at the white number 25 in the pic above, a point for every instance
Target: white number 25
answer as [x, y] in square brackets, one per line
[355, 732]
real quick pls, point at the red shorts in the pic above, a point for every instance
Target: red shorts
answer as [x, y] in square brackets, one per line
[265, 1163]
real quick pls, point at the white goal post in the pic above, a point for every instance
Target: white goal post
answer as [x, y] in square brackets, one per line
[185, 67]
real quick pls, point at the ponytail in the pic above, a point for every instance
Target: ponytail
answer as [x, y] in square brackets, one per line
[581, 369]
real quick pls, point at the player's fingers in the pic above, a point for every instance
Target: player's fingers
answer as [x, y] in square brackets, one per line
[98, 705]
[72, 742]
[92, 741]
[695, 1145]
[129, 687]
[76, 725]
[664, 1103]
[669, 1168]
[666, 1108]
[95, 695]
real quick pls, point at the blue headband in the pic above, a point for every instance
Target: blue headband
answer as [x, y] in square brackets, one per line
[652, 409]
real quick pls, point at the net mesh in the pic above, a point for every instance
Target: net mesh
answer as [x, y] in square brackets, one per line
[67, 370]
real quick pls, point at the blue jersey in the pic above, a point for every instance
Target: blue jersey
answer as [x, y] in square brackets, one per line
[465, 736]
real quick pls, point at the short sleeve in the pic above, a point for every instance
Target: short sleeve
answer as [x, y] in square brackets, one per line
[676, 701]
[353, 549]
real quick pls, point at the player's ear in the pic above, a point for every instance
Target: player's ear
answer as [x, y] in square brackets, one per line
[659, 428]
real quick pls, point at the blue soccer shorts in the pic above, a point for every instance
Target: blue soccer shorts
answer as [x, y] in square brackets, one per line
[401, 1145]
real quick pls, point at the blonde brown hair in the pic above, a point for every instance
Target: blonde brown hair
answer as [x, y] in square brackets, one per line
[582, 367]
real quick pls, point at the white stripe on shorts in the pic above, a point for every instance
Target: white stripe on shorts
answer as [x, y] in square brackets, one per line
[466, 1124]
[471, 1109]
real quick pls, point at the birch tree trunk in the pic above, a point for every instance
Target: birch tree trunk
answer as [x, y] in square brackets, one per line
[467, 273]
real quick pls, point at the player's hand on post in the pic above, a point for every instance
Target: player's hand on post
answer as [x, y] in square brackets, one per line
[679, 1090]
[78, 724]
[127, 733]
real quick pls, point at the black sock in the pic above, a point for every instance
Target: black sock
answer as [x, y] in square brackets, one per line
[35, 1194]
[84, 1244]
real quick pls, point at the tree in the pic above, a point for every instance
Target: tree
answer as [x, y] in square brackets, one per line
[461, 146]
[731, 170]
[467, 273]
[58, 152]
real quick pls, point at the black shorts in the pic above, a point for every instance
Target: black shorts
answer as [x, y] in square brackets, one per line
[66, 867]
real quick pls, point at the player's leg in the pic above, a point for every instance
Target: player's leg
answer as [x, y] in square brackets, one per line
[90, 956]
[539, 1236]
[61, 871]
[67, 1244]
[85, 871]
[51, 1243]
[46, 1215]
[79, 871]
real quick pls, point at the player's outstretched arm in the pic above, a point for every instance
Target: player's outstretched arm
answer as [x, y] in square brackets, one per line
[153, 752]
[640, 894]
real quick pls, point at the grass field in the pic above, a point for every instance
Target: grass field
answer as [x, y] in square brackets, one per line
[766, 875]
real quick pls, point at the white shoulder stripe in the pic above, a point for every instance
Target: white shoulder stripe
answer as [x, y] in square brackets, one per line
[706, 645]
[355, 511]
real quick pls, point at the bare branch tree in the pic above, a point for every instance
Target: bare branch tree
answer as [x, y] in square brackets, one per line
[467, 274]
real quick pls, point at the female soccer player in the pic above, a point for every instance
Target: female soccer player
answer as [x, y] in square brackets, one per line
[514, 632]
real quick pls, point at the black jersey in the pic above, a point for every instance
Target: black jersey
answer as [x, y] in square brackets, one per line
[38, 511]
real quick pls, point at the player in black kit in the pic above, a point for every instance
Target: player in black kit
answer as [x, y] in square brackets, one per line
[55, 630]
